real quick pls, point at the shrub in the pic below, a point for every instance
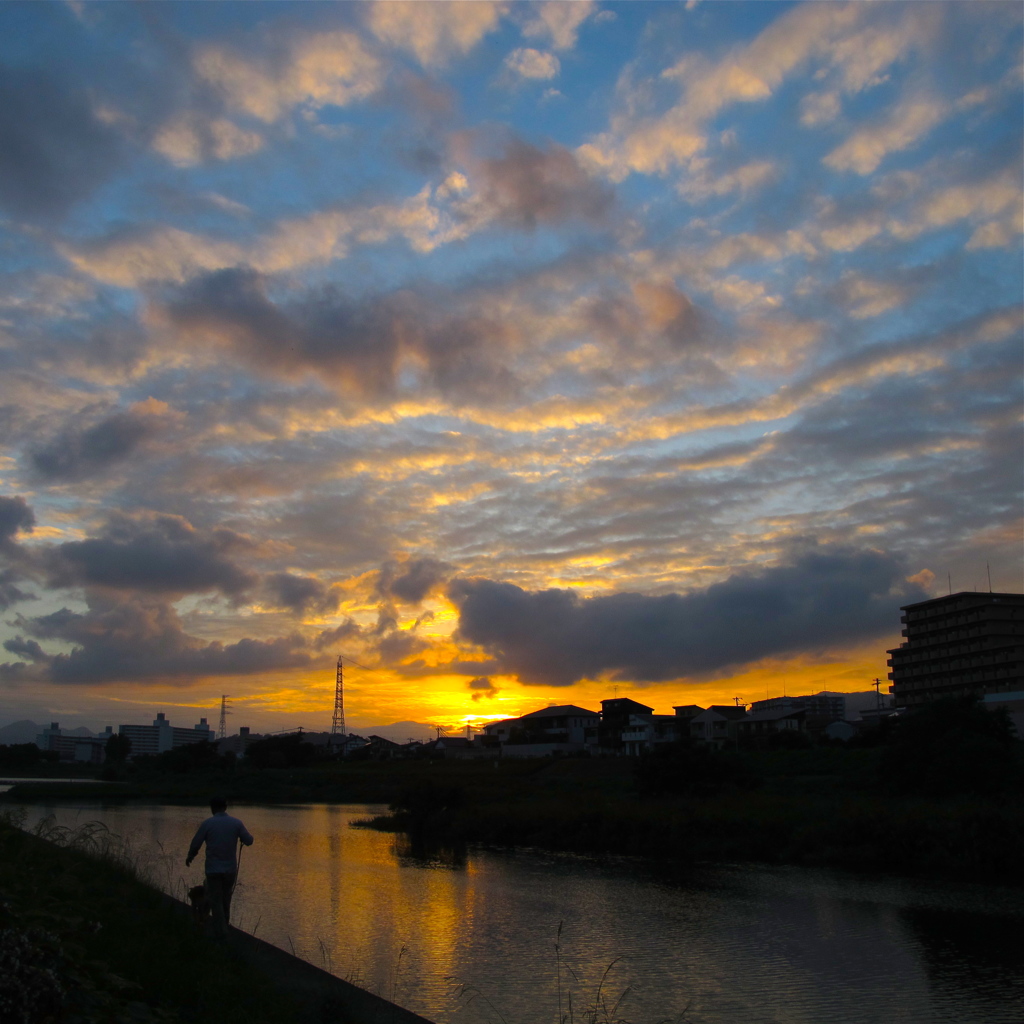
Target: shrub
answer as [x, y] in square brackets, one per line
[690, 769]
[952, 746]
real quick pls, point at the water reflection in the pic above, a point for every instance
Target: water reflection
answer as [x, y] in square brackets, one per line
[470, 936]
[426, 850]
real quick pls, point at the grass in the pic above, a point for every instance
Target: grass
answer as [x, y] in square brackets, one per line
[821, 806]
[603, 1008]
[83, 938]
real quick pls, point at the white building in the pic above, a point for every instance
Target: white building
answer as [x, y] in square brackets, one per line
[161, 735]
[87, 749]
[831, 706]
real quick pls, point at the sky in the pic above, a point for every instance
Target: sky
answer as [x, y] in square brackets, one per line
[520, 353]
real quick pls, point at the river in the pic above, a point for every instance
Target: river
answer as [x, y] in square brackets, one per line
[472, 939]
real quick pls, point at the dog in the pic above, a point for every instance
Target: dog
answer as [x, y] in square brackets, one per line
[200, 904]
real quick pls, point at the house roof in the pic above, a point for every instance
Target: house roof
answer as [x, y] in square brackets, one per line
[624, 704]
[775, 714]
[728, 711]
[559, 710]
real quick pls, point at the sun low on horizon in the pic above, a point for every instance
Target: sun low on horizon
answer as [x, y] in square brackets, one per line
[519, 353]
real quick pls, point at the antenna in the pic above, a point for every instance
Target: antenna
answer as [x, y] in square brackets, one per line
[338, 721]
[222, 729]
[988, 569]
[949, 578]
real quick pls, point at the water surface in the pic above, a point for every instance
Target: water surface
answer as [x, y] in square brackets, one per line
[473, 939]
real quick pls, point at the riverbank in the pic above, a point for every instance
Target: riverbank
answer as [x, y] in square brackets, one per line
[83, 939]
[822, 807]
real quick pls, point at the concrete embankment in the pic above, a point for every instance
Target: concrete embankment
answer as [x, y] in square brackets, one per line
[317, 994]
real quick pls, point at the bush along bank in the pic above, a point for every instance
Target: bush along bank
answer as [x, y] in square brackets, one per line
[939, 793]
[84, 941]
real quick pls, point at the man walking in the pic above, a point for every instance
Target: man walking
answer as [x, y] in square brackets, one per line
[221, 833]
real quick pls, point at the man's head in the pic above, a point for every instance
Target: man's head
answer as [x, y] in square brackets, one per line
[218, 804]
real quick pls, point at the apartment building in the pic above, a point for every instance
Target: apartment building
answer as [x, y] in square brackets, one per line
[959, 645]
[161, 735]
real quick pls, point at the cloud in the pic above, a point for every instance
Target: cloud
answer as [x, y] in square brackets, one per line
[825, 597]
[441, 340]
[138, 255]
[155, 553]
[410, 582]
[10, 593]
[866, 297]
[54, 150]
[16, 516]
[309, 69]
[80, 452]
[900, 129]
[855, 43]
[527, 186]
[434, 32]
[301, 593]
[137, 639]
[192, 138]
[482, 687]
[529, 63]
[558, 21]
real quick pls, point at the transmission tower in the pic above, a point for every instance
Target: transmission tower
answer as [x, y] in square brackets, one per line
[338, 722]
[222, 729]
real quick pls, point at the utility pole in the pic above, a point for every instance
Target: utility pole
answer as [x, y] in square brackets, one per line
[222, 730]
[878, 694]
[338, 721]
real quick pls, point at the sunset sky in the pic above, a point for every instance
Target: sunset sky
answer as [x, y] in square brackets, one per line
[524, 353]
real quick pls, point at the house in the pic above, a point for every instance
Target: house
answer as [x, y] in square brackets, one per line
[761, 724]
[381, 749]
[615, 716]
[644, 733]
[842, 731]
[717, 725]
[559, 729]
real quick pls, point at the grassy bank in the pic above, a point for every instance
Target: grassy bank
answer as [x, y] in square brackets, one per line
[826, 806]
[83, 940]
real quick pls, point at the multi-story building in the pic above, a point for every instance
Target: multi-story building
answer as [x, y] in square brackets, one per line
[829, 706]
[615, 717]
[967, 643]
[161, 735]
[87, 749]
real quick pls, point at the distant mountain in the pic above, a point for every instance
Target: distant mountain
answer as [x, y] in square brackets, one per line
[20, 732]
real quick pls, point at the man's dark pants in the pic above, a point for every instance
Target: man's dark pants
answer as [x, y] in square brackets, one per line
[219, 887]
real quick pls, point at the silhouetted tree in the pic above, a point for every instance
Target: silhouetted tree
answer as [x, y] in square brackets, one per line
[280, 752]
[952, 746]
[118, 748]
[19, 756]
